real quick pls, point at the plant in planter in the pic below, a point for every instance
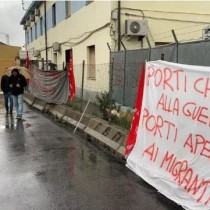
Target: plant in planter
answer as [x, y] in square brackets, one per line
[106, 104]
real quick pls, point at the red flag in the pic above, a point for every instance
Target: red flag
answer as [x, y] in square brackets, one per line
[27, 60]
[131, 140]
[71, 78]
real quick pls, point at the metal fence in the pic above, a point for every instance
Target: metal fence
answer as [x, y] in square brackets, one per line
[121, 75]
[47, 66]
[126, 65]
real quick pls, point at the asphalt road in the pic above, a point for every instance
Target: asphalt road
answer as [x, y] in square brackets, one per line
[44, 166]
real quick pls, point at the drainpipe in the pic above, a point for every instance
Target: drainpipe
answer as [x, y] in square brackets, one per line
[26, 40]
[45, 29]
[119, 25]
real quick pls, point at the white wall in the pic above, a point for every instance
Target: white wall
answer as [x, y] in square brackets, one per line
[187, 18]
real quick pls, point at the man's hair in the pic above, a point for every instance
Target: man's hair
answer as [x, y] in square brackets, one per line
[15, 70]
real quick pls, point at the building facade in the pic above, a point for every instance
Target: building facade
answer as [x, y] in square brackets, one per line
[89, 30]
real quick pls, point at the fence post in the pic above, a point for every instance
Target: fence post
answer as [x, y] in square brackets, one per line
[111, 76]
[149, 48]
[124, 73]
[82, 87]
[111, 66]
[110, 69]
[177, 44]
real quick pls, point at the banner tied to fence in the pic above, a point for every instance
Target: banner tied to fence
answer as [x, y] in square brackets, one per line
[172, 147]
[50, 86]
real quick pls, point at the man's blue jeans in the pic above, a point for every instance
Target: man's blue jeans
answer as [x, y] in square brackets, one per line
[18, 103]
[8, 101]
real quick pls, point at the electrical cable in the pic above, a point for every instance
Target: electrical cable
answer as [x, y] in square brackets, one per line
[127, 8]
[179, 29]
[176, 12]
[90, 33]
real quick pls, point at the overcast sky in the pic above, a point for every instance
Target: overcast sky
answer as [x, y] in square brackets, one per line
[11, 15]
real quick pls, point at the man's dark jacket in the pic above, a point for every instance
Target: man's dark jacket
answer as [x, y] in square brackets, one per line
[18, 79]
[5, 84]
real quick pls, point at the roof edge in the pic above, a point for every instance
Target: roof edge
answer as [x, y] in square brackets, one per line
[30, 10]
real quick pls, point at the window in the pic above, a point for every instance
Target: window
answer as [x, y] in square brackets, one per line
[162, 43]
[41, 26]
[35, 31]
[68, 8]
[91, 62]
[77, 5]
[53, 15]
[55, 58]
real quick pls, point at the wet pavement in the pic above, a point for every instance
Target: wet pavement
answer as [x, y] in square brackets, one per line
[44, 166]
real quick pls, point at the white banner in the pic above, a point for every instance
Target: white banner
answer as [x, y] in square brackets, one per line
[172, 149]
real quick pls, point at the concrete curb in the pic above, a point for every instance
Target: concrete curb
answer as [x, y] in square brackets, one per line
[95, 129]
[39, 104]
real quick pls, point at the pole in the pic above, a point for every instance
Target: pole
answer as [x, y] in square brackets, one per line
[149, 48]
[82, 116]
[177, 44]
[111, 77]
[119, 25]
[45, 28]
[82, 88]
[110, 69]
[124, 72]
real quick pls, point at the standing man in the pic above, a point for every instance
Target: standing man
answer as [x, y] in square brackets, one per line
[17, 84]
[8, 102]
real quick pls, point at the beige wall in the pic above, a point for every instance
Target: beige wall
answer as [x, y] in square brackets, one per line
[8, 52]
[187, 18]
[7, 56]
[66, 32]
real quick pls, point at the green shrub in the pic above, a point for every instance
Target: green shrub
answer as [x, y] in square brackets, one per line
[106, 104]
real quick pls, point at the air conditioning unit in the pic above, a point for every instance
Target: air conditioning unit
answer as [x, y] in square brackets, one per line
[27, 23]
[25, 27]
[37, 12]
[32, 18]
[136, 27]
[56, 46]
[36, 53]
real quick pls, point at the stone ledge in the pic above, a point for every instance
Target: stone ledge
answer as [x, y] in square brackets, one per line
[39, 104]
[107, 130]
[58, 111]
[74, 123]
[103, 139]
[29, 99]
[97, 129]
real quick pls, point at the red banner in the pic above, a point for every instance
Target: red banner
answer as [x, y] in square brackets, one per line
[131, 140]
[71, 78]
